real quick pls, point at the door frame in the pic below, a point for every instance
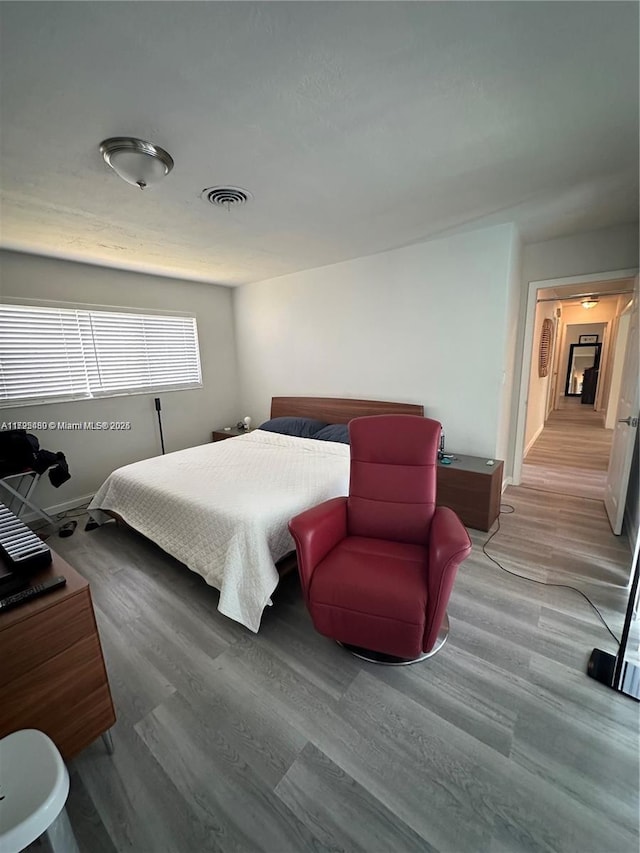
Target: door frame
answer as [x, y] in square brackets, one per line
[527, 349]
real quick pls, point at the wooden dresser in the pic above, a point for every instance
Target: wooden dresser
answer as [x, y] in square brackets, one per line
[472, 489]
[52, 673]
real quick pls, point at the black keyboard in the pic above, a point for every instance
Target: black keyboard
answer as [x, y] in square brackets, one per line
[31, 592]
[20, 548]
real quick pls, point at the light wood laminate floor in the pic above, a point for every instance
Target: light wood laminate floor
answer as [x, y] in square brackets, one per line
[571, 454]
[281, 741]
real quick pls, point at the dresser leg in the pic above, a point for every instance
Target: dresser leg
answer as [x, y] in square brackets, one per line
[108, 742]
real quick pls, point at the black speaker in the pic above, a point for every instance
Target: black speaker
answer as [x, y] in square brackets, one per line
[158, 410]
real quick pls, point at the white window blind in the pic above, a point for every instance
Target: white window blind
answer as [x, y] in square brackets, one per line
[49, 354]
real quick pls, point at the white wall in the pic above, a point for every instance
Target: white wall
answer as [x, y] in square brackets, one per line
[539, 385]
[506, 435]
[423, 324]
[188, 416]
[581, 254]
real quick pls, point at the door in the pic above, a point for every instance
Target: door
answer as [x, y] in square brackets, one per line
[624, 434]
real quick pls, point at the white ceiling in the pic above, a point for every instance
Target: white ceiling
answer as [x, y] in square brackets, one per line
[358, 127]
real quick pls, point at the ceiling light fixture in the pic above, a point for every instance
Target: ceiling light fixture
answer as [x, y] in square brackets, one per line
[137, 162]
[590, 302]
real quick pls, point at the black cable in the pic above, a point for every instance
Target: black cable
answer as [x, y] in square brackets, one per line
[58, 517]
[510, 511]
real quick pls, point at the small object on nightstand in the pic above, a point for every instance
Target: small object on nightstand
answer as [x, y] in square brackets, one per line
[247, 423]
[490, 462]
[445, 460]
[227, 429]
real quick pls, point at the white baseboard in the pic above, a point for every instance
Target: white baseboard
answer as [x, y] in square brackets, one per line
[533, 441]
[57, 508]
[507, 481]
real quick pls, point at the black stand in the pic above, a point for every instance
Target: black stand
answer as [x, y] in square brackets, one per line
[612, 670]
[158, 409]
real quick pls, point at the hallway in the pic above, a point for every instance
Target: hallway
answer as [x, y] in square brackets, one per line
[570, 458]
[571, 454]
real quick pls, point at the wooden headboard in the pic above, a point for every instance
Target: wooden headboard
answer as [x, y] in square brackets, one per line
[338, 410]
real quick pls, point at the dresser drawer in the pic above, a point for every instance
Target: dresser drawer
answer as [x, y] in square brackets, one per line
[35, 639]
[57, 692]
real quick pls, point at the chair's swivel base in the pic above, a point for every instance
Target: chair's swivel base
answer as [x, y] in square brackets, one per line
[391, 660]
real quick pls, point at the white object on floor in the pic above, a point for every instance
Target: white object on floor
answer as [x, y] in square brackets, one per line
[34, 785]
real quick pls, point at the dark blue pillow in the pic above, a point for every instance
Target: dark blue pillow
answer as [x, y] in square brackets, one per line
[300, 427]
[333, 432]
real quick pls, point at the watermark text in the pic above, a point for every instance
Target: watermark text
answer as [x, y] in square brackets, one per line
[72, 426]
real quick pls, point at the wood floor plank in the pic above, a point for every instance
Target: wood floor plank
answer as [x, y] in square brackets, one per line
[571, 454]
[138, 801]
[450, 773]
[340, 812]
[230, 741]
[461, 690]
[126, 667]
[560, 750]
[220, 785]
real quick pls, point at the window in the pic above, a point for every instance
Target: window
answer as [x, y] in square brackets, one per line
[54, 354]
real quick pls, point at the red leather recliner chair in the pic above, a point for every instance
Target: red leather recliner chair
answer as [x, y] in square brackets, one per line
[377, 567]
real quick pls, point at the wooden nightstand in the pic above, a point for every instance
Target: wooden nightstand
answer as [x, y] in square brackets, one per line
[472, 489]
[220, 434]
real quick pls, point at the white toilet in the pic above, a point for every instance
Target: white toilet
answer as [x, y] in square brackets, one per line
[34, 785]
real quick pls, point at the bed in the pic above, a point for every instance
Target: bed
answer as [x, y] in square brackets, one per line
[222, 509]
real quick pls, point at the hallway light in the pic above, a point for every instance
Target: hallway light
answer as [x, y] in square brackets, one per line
[590, 302]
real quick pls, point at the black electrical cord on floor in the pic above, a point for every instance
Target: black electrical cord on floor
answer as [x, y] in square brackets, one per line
[69, 513]
[508, 510]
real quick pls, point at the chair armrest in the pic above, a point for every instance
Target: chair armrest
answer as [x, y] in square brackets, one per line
[449, 545]
[315, 532]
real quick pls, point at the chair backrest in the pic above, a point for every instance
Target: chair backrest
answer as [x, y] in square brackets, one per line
[392, 490]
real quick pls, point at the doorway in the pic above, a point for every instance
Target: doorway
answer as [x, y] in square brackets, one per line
[570, 453]
[568, 446]
[562, 420]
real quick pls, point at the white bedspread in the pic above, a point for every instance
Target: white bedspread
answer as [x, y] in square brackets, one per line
[222, 508]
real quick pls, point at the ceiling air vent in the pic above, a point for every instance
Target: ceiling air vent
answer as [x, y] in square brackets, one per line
[226, 196]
